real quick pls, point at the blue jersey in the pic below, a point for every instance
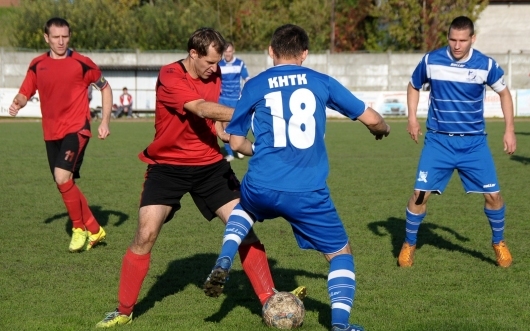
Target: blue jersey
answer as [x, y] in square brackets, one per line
[232, 73]
[456, 102]
[285, 106]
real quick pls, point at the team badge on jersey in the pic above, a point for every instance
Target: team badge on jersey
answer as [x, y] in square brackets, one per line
[423, 176]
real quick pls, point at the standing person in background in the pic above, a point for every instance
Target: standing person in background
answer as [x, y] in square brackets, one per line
[126, 102]
[285, 106]
[233, 71]
[62, 77]
[456, 133]
[185, 157]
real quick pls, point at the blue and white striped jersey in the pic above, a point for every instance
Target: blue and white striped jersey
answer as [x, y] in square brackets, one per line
[285, 106]
[232, 73]
[458, 88]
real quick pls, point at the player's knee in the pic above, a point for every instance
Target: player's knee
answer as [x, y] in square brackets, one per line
[494, 200]
[419, 198]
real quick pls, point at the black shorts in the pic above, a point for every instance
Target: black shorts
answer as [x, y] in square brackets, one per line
[67, 153]
[211, 186]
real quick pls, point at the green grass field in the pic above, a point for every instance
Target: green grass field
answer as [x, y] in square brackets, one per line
[454, 284]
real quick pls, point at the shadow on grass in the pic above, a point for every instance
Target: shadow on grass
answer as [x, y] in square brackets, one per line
[101, 215]
[395, 227]
[238, 291]
[521, 159]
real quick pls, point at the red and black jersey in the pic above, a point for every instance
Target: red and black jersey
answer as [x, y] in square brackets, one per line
[63, 87]
[181, 137]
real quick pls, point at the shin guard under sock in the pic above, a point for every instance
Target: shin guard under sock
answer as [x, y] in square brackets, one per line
[134, 268]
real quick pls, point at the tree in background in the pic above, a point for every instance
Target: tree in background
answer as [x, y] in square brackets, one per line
[336, 25]
[251, 23]
[417, 25]
[95, 24]
[167, 24]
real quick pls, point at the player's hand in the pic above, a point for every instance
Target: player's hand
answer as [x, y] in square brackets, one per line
[510, 143]
[220, 130]
[414, 130]
[382, 135]
[103, 131]
[14, 108]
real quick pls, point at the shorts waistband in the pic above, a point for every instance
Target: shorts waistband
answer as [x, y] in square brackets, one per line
[458, 134]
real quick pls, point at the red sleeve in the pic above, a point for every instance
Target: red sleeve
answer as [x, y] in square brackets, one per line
[173, 89]
[29, 85]
[93, 74]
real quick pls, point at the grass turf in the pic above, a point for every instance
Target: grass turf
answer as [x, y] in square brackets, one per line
[454, 284]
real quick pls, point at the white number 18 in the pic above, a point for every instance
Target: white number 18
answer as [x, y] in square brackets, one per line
[302, 125]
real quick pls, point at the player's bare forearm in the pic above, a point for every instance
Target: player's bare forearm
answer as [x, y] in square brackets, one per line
[241, 144]
[211, 110]
[509, 140]
[375, 123]
[507, 109]
[106, 101]
[413, 98]
[19, 102]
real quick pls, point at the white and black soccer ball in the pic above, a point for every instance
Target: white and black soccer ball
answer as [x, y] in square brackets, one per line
[283, 310]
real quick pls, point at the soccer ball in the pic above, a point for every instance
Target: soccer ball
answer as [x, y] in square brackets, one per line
[283, 310]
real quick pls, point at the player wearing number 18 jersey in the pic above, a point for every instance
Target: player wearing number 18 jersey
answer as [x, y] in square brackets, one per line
[285, 106]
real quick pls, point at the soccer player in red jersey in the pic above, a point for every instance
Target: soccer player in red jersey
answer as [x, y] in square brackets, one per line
[185, 157]
[62, 77]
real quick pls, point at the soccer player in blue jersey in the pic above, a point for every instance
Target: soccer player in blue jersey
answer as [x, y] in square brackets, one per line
[285, 106]
[233, 70]
[456, 133]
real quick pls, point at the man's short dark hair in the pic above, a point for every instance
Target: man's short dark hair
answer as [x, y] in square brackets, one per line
[201, 40]
[462, 23]
[289, 41]
[57, 21]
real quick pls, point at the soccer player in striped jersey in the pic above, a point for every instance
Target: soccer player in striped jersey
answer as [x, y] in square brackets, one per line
[233, 70]
[456, 132]
[285, 106]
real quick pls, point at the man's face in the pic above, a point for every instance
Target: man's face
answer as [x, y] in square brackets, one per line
[460, 42]
[205, 66]
[229, 53]
[58, 39]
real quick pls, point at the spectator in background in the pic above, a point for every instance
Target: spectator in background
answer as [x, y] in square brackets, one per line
[62, 81]
[233, 70]
[125, 106]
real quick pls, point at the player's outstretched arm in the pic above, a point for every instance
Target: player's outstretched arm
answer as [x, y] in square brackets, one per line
[375, 123]
[211, 110]
[19, 102]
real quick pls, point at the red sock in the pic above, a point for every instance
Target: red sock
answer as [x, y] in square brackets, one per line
[133, 271]
[256, 266]
[70, 194]
[88, 218]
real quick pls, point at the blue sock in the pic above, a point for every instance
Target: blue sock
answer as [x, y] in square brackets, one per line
[496, 220]
[237, 228]
[341, 289]
[412, 225]
[228, 150]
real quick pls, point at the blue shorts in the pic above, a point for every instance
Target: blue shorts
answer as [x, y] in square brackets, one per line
[312, 215]
[469, 155]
